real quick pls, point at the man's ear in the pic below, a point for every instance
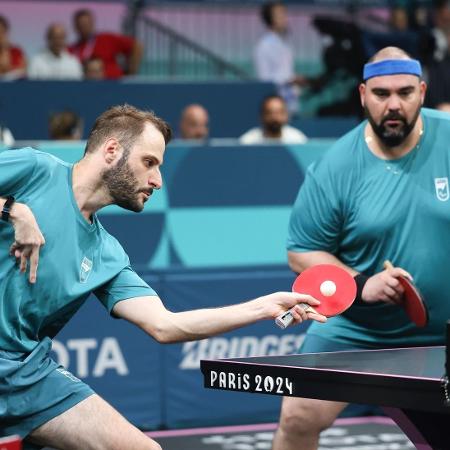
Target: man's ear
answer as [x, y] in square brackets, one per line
[112, 150]
[362, 93]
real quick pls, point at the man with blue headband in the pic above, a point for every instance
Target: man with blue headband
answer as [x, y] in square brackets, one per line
[381, 192]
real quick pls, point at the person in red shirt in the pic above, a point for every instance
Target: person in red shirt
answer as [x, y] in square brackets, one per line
[105, 46]
[12, 59]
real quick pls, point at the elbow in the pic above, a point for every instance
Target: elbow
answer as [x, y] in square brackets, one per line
[296, 262]
[159, 334]
[163, 331]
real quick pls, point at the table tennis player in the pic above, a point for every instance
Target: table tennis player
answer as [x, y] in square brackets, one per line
[380, 193]
[54, 252]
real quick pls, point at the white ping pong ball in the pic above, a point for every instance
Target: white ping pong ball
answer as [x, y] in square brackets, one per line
[327, 288]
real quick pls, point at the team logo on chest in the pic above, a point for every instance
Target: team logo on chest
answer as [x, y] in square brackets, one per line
[442, 191]
[85, 269]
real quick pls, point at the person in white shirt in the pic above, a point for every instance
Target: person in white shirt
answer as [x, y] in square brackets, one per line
[274, 125]
[274, 57]
[6, 137]
[55, 62]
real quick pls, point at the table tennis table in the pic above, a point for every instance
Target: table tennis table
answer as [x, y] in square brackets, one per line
[407, 382]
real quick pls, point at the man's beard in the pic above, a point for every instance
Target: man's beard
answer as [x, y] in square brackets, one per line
[121, 184]
[273, 128]
[392, 137]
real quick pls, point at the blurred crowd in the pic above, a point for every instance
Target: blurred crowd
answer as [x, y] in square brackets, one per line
[349, 40]
[95, 55]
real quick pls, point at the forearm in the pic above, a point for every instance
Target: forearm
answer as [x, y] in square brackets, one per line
[202, 323]
[298, 262]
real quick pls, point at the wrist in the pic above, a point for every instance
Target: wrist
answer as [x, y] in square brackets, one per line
[360, 280]
[16, 213]
[6, 210]
[258, 309]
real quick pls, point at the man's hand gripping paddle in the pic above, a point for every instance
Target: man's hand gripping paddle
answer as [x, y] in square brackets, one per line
[332, 285]
[413, 302]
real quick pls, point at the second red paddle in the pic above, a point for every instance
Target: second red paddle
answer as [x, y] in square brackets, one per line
[332, 285]
[413, 302]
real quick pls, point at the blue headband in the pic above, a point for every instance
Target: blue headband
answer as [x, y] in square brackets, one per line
[392, 67]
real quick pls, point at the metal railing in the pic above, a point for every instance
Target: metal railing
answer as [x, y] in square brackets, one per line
[169, 54]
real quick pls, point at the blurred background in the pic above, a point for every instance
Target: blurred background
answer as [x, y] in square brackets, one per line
[254, 93]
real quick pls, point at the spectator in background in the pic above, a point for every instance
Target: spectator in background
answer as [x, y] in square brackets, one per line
[398, 33]
[65, 126]
[445, 106]
[274, 125]
[94, 69]
[441, 19]
[439, 80]
[6, 137]
[55, 62]
[274, 56]
[194, 122]
[106, 46]
[12, 59]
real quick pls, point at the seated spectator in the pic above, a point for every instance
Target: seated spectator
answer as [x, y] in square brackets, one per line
[6, 137]
[274, 55]
[55, 62]
[445, 106]
[438, 91]
[106, 46]
[12, 59]
[441, 19]
[274, 125]
[65, 126]
[94, 69]
[194, 122]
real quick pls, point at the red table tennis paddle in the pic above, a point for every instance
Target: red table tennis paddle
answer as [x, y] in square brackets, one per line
[332, 285]
[413, 302]
[11, 443]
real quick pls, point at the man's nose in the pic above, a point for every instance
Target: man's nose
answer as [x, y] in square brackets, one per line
[155, 180]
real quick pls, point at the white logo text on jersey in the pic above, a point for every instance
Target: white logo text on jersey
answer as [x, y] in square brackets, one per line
[85, 269]
[442, 190]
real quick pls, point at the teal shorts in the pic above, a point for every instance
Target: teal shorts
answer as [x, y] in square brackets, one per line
[34, 389]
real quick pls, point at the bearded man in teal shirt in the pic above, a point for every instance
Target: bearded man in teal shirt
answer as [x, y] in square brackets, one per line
[54, 253]
[380, 193]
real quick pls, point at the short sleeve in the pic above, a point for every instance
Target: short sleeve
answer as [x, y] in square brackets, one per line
[315, 222]
[126, 284]
[16, 170]
[123, 44]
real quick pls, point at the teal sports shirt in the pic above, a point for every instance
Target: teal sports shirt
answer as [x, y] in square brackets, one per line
[364, 210]
[78, 258]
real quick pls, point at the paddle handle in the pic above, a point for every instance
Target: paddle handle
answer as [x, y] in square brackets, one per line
[285, 319]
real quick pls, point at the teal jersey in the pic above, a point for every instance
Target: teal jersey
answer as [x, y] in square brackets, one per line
[364, 210]
[78, 257]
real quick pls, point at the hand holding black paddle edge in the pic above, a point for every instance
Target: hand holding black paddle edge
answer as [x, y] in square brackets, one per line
[411, 300]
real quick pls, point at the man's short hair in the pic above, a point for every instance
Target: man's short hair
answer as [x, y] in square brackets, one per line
[5, 22]
[266, 12]
[125, 123]
[64, 125]
[81, 12]
[267, 99]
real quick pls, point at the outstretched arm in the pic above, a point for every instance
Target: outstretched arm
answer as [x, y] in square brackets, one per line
[28, 238]
[165, 326]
